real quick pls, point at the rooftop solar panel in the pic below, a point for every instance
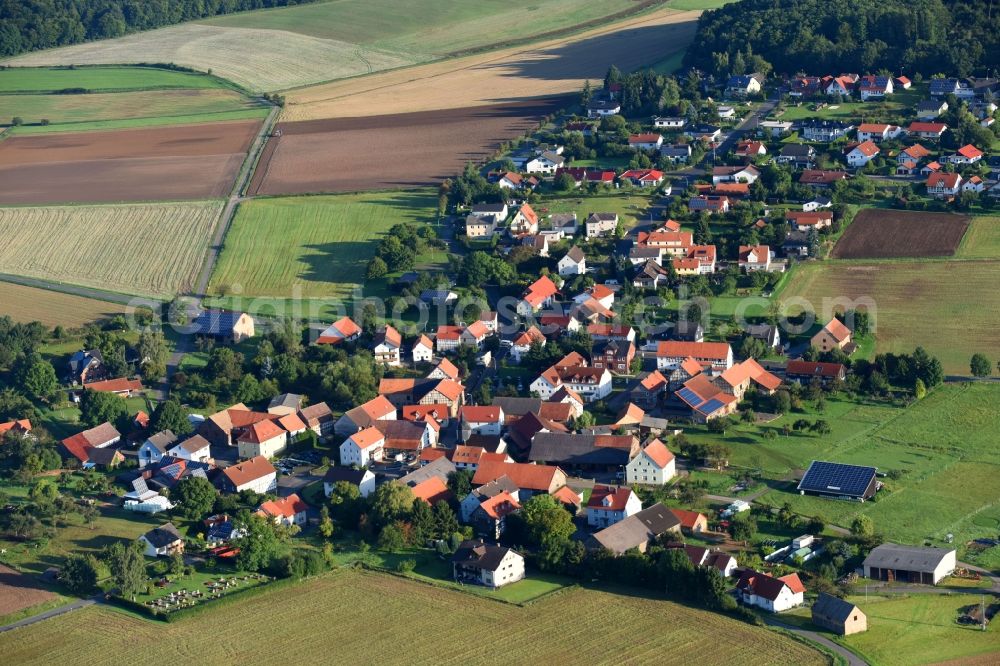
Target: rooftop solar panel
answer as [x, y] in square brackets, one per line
[837, 478]
[689, 396]
[710, 406]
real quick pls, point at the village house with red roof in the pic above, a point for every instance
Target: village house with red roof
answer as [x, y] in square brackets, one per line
[286, 511]
[654, 466]
[610, 504]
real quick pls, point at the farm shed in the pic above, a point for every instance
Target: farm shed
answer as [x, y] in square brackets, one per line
[838, 480]
[839, 616]
[909, 564]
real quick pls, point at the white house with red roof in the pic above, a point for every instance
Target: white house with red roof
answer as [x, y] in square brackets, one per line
[862, 154]
[670, 354]
[643, 177]
[942, 185]
[974, 184]
[525, 221]
[521, 344]
[286, 511]
[649, 141]
[448, 338]
[967, 154]
[878, 132]
[388, 343]
[755, 258]
[480, 420]
[771, 594]
[475, 334]
[609, 504]
[363, 448]
[256, 474]
[264, 438]
[654, 466]
[342, 330]
[538, 295]
[927, 130]
[835, 335]
[804, 221]
[423, 350]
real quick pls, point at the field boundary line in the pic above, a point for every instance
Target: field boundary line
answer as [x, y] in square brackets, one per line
[76, 290]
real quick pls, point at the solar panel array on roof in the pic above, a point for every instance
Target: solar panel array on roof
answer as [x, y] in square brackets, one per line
[710, 406]
[689, 396]
[837, 479]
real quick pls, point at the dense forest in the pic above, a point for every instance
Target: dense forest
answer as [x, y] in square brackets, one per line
[29, 25]
[929, 37]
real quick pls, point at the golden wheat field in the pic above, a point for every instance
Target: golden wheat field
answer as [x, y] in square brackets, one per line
[362, 618]
[52, 308]
[145, 249]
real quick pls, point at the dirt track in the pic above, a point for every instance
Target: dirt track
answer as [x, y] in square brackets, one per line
[401, 150]
[177, 162]
[888, 234]
[555, 67]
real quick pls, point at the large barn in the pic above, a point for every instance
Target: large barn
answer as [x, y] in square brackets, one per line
[838, 480]
[909, 564]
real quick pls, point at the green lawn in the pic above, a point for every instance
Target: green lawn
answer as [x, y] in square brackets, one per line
[949, 307]
[631, 207]
[311, 246]
[125, 109]
[426, 27]
[982, 240]
[101, 79]
[919, 630]
[944, 447]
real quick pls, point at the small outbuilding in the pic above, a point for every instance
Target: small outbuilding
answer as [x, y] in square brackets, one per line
[839, 616]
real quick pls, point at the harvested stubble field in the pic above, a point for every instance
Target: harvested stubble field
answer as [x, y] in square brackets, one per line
[147, 249]
[887, 234]
[951, 308]
[165, 163]
[418, 624]
[19, 591]
[308, 44]
[398, 151]
[52, 308]
[555, 67]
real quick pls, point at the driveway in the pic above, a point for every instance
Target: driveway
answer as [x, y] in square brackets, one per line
[852, 659]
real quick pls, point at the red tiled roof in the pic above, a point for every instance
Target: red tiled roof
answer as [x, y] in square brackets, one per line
[809, 219]
[710, 350]
[837, 329]
[433, 453]
[120, 385]
[969, 151]
[793, 583]
[867, 148]
[339, 330]
[813, 368]
[367, 438]
[249, 470]
[487, 414]
[500, 505]
[528, 477]
[449, 332]
[659, 453]
[23, 425]
[609, 498]
[567, 495]
[286, 506]
[431, 490]
[653, 381]
[292, 423]
[261, 431]
[644, 138]
[934, 128]
[540, 290]
[689, 519]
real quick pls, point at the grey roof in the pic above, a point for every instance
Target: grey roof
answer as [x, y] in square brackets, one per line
[602, 217]
[552, 157]
[495, 487]
[603, 105]
[575, 254]
[495, 208]
[797, 150]
[161, 536]
[675, 150]
[216, 322]
[930, 105]
[292, 400]
[570, 449]
[475, 553]
[162, 440]
[102, 456]
[644, 252]
[518, 406]
[832, 607]
[636, 530]
[909, 558]
[563, 220]
[440, 468]
[349, 474]
[195, 443]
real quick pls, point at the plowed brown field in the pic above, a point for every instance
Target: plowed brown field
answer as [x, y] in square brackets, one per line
[887, 234]
[176, 162]
[394, 151]
[19, 591]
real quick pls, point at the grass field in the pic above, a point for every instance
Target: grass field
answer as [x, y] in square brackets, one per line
[919, 630]
[943, 446]
[416, 624]
[982, 240]
[302, 45]
[193, 105]
[51, 307]
[146, 249]
[631, 208]
[318, 246]
[948, 307]
[100, 79]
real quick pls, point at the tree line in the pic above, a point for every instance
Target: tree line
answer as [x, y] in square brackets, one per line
[29, 25]
[832, 36]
